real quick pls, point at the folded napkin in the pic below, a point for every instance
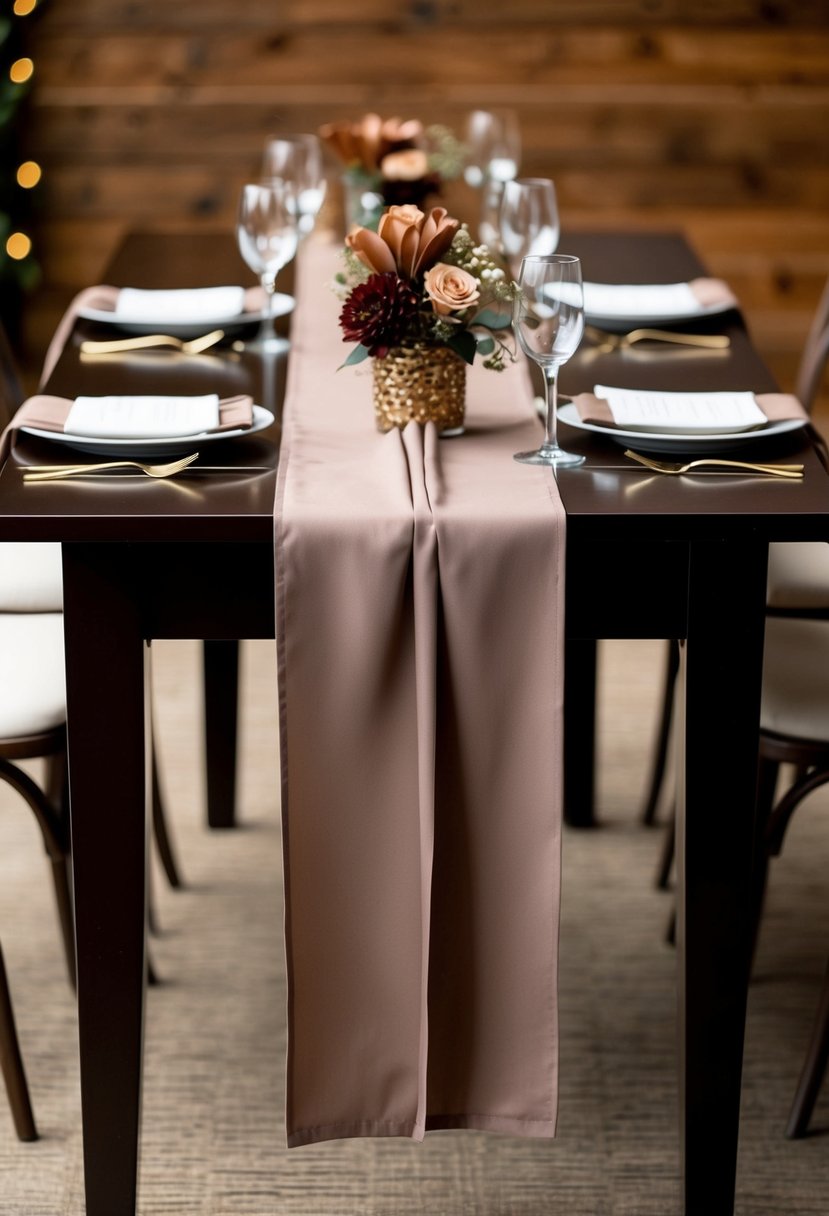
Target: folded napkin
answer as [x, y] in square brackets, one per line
[685, 413]
[135, 417]
[632, 300]
[182, 304]
[200, 305]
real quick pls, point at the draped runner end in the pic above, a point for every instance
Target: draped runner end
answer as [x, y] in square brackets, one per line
[419, 607]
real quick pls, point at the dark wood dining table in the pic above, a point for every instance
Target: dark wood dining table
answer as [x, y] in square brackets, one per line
[647, 557]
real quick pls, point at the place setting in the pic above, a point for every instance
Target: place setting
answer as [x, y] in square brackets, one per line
[155, 328]
[134, 428]
[691, 424]
[556, 308]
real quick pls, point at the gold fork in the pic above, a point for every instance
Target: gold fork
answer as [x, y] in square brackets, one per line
[664, 466]
[610, 341]
[57, 472]
[194, 346]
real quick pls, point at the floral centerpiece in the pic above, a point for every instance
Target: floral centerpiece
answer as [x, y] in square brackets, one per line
[420, 294]
[387, 162]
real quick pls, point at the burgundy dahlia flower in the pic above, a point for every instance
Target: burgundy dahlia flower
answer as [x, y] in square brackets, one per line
[378, 313]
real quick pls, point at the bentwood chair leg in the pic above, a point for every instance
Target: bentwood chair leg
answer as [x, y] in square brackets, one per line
[161, 833]
[814, 1070]
[666, 859]
[660, 757]
[152, 919]
[66, 915]
[12, 1065]
[152, 974]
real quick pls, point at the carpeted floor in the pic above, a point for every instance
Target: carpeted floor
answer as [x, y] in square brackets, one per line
[213, 1139]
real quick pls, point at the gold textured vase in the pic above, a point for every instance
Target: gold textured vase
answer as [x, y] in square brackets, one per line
[420, 382]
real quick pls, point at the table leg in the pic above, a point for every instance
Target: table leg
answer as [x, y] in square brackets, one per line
[221, 680]
[722, 674]
[579, 731]
[108, 772]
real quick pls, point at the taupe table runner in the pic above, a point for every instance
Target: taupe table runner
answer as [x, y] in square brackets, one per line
[420, 630]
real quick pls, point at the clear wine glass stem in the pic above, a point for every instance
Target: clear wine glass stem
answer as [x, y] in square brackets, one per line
[266, 331]
[491, 196]
[551, 402]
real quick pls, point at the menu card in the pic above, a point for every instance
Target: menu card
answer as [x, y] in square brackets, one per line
[649, 410]
[136, 416]
[190, 304]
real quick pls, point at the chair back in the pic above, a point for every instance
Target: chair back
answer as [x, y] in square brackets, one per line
[11, 391]
[815, 354]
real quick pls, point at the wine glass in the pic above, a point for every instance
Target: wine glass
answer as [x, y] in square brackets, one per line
[493, 142]
[529, 219]
[267, 232]
[297, 159]
[548, 320]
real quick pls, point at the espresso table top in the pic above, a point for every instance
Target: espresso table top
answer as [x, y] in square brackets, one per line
[607, 496]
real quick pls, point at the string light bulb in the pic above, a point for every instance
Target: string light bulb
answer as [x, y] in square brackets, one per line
[28, 174]
[18, 246]
[21, 70]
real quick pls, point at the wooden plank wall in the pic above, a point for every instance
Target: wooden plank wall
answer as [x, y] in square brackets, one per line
[706, 115]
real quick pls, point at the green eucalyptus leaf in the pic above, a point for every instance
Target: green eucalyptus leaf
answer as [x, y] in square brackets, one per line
[486, 345]
[492, 319]
[357, 355]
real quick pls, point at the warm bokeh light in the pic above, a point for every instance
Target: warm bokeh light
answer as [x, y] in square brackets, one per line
[29, 174]
[18, 246]
[21, 70]
[22, 8]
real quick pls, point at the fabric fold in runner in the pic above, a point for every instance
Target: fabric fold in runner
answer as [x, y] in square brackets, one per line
[419, 602]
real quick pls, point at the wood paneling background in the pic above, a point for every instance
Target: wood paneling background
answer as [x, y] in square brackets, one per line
[711, 116]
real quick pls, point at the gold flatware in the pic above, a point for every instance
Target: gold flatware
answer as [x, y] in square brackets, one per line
[665, 466]
[194, 346]
[621, 341]
[57, 472]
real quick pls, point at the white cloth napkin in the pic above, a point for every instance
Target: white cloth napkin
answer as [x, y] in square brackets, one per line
[195, 304]
[628, 301]
[684, 413]
[137, 417]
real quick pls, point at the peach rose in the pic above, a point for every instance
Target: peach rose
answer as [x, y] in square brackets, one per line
[450, 289]
[410, 165]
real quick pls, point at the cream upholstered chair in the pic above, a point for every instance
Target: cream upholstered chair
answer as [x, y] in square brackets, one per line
[33, 727]
[798, 574]
[795, 712]
[795, 731]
